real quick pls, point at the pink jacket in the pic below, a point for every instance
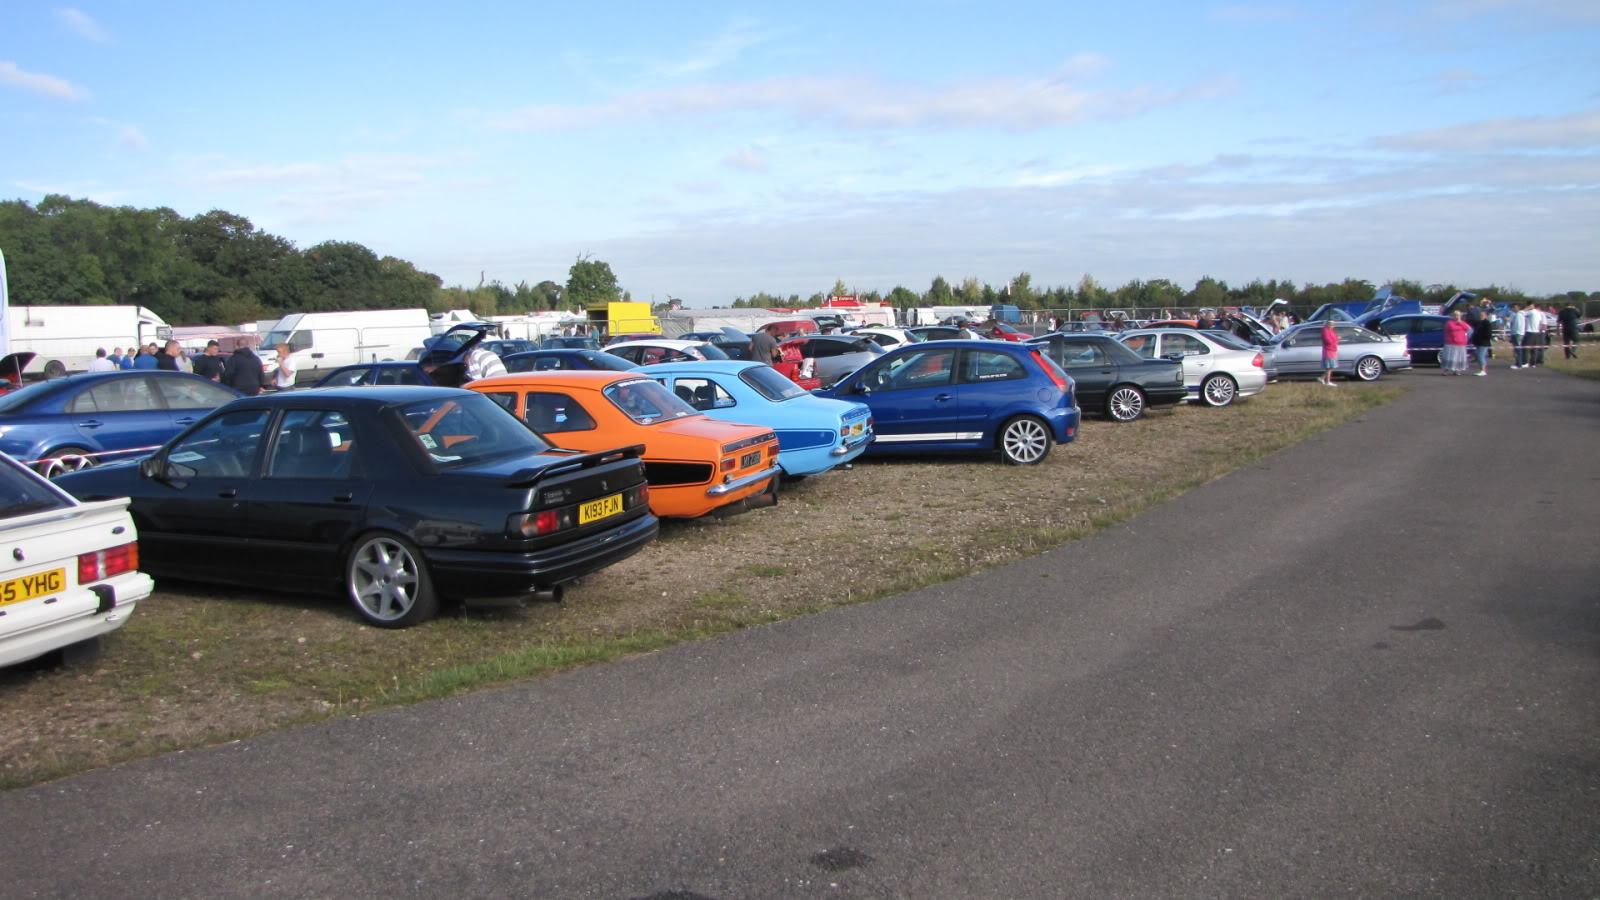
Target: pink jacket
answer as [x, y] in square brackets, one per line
[1456, 333]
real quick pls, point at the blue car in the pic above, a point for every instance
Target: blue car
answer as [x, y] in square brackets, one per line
[375, 373]
[1424, 334]
[570, 342]
[100, 416]
[965, 395]
[814, 434]
[565, 360]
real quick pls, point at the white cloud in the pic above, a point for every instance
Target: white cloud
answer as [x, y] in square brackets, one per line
[1065, 176]
[720, 50]
[1011, 103]
[131, 137]
[749, 159]
[48, 85]
[1581, 129]
[83, 25]
[78, 190]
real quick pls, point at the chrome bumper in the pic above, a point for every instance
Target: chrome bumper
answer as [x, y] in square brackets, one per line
[753, 478]
[842, 449]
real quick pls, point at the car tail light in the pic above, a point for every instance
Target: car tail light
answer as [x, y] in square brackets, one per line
[772, 450]
[1061, 383]
[538, 524]
[102, 564]
[728, 465]
[1257, 362]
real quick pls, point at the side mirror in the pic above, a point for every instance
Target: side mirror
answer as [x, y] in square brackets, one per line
[151, 467]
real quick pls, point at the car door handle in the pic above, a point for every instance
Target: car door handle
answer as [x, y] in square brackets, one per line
[1105, 371]
[186, 420]
[228, 493]
[316, 356]
[90, 423]
[345, 497]
[942, 397]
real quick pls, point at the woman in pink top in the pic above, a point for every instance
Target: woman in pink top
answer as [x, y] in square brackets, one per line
[1330, 351]
[1453, 356]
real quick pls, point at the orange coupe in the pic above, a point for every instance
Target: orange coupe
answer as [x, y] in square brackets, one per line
[694, 464]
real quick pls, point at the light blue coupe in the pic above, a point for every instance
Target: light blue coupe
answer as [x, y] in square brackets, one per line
[814, 434]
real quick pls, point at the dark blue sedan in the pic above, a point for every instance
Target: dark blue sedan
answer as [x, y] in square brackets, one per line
[965, 395]
[376, 373]
[96, 416]
[565, 360]
[1423, 334]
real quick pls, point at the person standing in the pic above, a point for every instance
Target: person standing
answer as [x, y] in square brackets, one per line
[242, 371]
[1568, 318]
[147, 358]
[764, 348]
[1547, 327]
[116, 358]
[1482, 340]
[283, 379]
[101, 362]
[1533, 335]
[210, 363]
[128, 358]
[169, 358]
[1330, 352]
[1453, 356]
[1517, 329]
[483, 363]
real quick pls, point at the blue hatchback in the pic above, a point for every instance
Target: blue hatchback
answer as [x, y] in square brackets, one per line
[98, 416]
[965, 395]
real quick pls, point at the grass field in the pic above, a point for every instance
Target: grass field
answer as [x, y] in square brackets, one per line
[199, 665]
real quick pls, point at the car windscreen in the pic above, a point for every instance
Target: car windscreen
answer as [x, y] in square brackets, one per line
[1118, 352]
[645, 401]
[769, 384]
[599, 360]
[462, 429]
[711, 352]
[22, 493]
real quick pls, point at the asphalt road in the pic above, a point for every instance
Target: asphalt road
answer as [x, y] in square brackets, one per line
[1364, 666]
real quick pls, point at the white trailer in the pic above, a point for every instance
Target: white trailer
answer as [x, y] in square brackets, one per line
[65, 338]
[327, 340]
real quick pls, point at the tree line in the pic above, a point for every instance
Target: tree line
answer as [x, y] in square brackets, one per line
[218, 268]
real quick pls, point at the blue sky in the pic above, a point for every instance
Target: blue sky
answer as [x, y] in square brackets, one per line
[721, 150]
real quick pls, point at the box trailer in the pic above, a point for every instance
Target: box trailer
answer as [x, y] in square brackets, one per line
[65, 338]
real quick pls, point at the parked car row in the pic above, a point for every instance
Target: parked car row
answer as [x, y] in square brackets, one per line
[402, 486]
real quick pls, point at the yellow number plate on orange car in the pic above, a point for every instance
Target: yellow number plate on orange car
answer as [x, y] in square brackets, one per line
[599, 509]
[28, 587]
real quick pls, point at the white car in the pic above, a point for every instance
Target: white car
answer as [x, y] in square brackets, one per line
[1214, 373]
[662, 350]
[887, 338]
[69, 571]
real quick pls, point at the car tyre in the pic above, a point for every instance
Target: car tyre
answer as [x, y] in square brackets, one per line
[54, 369]
[65, 459]
[1024, 441]
[1369, 368]
[388, 582]
[1125, 403]
[1219, 390]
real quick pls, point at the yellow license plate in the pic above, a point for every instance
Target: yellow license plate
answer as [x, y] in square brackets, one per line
[856, 429]
[599, 509]
[27, 587]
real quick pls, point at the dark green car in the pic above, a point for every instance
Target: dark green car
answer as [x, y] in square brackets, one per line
[1112, 379]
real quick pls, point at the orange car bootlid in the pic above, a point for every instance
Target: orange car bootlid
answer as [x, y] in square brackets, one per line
[694, 464]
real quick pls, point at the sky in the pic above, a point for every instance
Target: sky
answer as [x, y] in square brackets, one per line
[708, 151]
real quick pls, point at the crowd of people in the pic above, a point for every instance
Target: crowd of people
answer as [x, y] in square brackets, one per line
[241, 370]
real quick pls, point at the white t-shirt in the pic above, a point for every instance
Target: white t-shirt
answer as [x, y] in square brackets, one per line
[102, 364]
[284, 380]
[483, 363]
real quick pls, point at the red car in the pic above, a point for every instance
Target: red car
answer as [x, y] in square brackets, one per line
[1000, 331]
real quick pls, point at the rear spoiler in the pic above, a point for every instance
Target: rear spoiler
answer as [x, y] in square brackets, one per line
[531, 476]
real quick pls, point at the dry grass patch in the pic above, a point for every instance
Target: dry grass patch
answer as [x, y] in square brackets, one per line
[199, 664]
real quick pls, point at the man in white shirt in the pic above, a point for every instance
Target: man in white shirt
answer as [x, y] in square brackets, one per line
[483, 363]
[1516, 328]
[101, 363]
[284, 379]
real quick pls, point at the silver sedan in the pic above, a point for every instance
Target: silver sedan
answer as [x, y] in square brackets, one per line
[1363, 353]
[1214, 373]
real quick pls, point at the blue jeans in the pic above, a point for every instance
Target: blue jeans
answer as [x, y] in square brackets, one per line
[1519, 353]
[1482, 353]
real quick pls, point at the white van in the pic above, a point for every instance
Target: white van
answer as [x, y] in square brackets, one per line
[65, 338]
[323, 341]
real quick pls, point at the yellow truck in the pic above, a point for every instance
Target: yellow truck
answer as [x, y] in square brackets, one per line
[624, 318]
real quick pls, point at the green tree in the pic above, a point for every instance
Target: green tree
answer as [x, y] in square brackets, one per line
[591, 284]
[939, 293]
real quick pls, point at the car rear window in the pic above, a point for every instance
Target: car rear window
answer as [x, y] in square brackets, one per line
[22, 492]
[768, 383]
[606, 361]
[460, 430]
[645, 401]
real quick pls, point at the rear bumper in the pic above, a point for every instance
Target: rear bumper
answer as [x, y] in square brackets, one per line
[120, 593]
[1065, 424]
[472, 574]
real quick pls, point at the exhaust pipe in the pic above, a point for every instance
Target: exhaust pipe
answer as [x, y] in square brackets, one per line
[549, 594]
